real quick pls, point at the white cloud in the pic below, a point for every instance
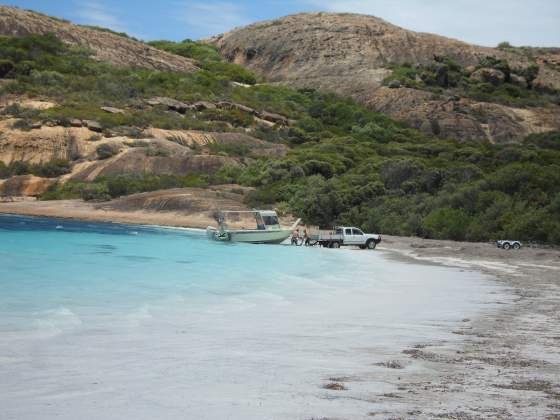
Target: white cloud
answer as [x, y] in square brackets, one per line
[478, 21]
[211, 18]
[94, 12]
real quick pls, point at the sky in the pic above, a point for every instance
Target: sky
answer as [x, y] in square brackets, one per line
[483, 22]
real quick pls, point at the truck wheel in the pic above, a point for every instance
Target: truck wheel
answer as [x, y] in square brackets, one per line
[371, 244]
[516, 246]
[335, 245]
[506, 246]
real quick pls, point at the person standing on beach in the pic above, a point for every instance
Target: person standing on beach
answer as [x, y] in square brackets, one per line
[295, 237]
[305, 240]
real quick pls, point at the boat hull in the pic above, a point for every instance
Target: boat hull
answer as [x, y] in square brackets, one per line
[249, 235]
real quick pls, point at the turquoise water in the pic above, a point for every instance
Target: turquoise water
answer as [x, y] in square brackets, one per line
[114, 321]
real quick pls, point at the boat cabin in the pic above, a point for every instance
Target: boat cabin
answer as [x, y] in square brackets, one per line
[264, 219]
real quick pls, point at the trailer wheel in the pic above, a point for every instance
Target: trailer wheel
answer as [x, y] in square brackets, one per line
[516, 245]
[362, 247]
[371, 244]
[506, 246]
[335, 244]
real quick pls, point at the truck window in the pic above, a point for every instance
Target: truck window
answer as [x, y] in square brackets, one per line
[338, 231]
[357, 232]
[348, 232]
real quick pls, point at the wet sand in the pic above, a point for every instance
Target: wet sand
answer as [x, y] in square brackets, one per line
[507, 365]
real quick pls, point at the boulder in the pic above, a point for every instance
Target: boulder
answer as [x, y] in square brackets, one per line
[233, 105]
[488, 75]
[202, 105]
[94, 126]
[74, 122]
[272, 117]
[112, 110]
[36, 125]
[243, 85]
[518, 80]
[26, 185]
[170, 103]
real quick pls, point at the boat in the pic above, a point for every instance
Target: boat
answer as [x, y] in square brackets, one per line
[267, 230]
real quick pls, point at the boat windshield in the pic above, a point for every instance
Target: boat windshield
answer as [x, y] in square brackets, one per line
[270, 220]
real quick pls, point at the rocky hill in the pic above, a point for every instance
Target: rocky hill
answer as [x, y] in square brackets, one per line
[108, 46]
[90, 126]
[355, 54]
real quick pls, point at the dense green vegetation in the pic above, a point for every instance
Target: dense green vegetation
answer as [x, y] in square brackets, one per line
[208, 58]
[51, 169]
[105, 188]
[345, 165]
[446, 75]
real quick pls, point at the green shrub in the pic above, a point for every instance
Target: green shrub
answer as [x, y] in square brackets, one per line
[23, 124]
[402, 75]
[190, 49]
[6, 67]
[67, 191]
[446, 223]
[107, 150]
[393, 173]
[157, 151]
[229, 149]
[95, 137]
[4, 170]
[317, 167]
[318, 203]
[52, 169]
[95, 192]
[228, 174]
[230, 71]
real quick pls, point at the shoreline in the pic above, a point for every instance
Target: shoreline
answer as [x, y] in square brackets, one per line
[507, 364]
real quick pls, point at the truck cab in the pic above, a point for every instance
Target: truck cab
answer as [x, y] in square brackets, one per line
[348, 236]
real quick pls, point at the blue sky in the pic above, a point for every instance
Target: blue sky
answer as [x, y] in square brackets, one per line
[484, 22]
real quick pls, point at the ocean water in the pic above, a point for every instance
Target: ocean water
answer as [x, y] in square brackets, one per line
[104, 321]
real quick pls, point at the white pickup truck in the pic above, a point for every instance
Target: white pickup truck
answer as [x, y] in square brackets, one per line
[345, 236]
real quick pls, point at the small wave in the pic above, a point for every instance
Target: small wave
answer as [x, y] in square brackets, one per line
[139, 258]
[55, 321]
[137, 317]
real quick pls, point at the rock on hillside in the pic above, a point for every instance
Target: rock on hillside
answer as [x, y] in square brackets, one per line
[184, 200]
[107, 46]
[333, 48]
[348, 53]
[25, 185]
[462, 118]
[179, 152]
